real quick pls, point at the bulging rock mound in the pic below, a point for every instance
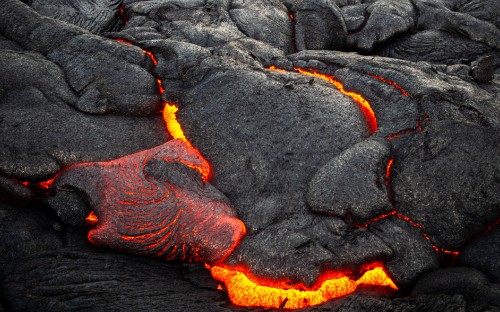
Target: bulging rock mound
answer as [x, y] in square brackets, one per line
[289, 138]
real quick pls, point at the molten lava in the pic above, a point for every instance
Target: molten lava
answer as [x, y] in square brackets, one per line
[173, 126]
[175, 130]
[388, 171]
[364, 105]
[250, 291]
[91, 219]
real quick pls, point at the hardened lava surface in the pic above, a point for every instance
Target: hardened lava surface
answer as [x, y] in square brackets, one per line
[280, 142]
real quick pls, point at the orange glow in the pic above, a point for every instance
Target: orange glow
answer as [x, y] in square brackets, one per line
[151, 56]
[175, 130]
[148, 53]
[364, 105]
[420, 226]
[399, 134]
[392, 83]
[160, 86]
[249, 291]
[91, 219]
[381, 217]
[45, 185]
[388, 170]
[272, 67]
[123, 41]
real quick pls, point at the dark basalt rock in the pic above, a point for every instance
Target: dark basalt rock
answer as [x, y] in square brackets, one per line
[411, 253]
[95, 16]
[289, 152]
[483, 69]
[465, 281]
[484, 255]
[353, 183]
[41, 132]
[266, 21]
[319, 25]
[453, 153]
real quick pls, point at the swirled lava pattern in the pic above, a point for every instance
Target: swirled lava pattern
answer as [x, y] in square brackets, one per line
[252, 292]
[149, 204]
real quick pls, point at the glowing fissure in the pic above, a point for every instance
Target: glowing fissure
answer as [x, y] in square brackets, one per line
[364, 105]
[247, 290]
[173, 126]
[392, 83]
[394, 212]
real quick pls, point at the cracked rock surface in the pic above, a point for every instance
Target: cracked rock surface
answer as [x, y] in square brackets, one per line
[291, 152]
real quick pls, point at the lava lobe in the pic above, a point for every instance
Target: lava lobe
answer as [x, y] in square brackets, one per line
[150, 203]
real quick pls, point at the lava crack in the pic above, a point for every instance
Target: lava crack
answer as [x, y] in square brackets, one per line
[364, 105]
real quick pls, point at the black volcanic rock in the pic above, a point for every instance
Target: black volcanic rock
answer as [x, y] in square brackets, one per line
[292, 152]
[353, 183]
[42, 132]
[109, 76]
[453, 154]
[319, 25]
[266, 21]
[484, 255]
[95, 16]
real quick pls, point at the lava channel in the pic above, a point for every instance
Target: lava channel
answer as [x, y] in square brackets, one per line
[250, 291]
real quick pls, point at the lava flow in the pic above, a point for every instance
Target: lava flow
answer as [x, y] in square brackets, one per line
[252, 292]
[364, 105]
[173, 126]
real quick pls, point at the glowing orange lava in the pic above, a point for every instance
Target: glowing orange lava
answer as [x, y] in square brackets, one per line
[160, 86]
[388, 170]
[249, 291]
[272, 67]
[364, 105]
[45, 185]
[173, 126]
[91, 219]
[175, 130]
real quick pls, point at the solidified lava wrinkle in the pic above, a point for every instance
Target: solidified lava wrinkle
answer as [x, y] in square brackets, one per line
[250, 291]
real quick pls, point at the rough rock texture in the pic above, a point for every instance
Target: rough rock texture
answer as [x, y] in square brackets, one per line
[333, 160]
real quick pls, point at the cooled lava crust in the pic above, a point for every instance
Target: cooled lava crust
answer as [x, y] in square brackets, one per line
[335, 152]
